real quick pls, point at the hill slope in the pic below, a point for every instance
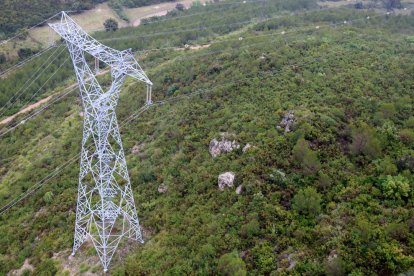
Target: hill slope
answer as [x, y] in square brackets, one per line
[332, 196]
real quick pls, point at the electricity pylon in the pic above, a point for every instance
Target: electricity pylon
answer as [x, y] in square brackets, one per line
[105, 210]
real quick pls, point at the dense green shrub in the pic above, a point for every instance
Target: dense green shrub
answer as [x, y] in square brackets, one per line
[2, 58]
[264, 258]
[364, 141]
[15, 15]
[231, 264]
[110, 25]
[336, 79]
[396, 187]
[307, 202]
[305, 157]
[46, 268]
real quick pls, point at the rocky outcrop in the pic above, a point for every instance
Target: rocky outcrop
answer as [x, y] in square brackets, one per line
[223, 146]
[162, 188]
[26, 267]
[286, 262]
[246, 147]
[226, 180]
[332, 255]
[137, 149]
[287, 121]
[239, 189]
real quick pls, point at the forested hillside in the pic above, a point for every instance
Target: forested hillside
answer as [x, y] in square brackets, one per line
[140, 3]
[17, 15]
[332, 194]
[20, 14]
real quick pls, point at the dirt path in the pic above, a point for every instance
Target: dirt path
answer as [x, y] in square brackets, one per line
[35, 105]
[45, 100]
[25, 110]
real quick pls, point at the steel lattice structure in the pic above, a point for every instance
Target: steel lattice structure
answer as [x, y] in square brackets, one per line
[105, 207]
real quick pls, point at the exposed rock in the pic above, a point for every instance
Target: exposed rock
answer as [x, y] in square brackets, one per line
[162, 188]
[217, 147]
[287, 121]
[247, 147]
[292, 262]
[137, 149]
[25, 267]
[42, 212]
[244, 254]
[71, 265]
[332, 255]
[239, 189]
[226, 180]
[277, 176]
[286, 261]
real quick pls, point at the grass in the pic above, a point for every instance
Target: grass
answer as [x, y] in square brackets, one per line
[90, 21]
[136, 14]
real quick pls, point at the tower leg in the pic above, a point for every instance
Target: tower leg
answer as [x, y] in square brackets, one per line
[106, 209]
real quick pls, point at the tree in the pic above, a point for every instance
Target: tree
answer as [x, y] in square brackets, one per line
[46, 268]
[231, 264]
[48, 197]
[111, 25]
[396, 187]
[25, 52]
[307, 202]
[359, 6]
[392, 4]
[306, 158]
[264, 258]
[364, 142]
[407, 136]
[2, 58]
[180, 7]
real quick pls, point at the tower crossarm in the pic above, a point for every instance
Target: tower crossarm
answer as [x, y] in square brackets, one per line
[122, 61]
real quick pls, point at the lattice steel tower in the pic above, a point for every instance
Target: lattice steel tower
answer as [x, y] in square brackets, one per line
[105, 210]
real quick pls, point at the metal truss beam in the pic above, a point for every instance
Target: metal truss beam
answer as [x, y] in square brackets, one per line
[106, 209]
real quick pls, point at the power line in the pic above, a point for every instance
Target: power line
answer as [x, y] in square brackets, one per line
[23, 62]
[241, 47]
[178, 17]
[54, 73]
[283, 32]
[57, 170]
[133, 116]
[41, 52]
[22, 32]
[222, 3]
[37, 112]
[29, 117]
[206, 12]
[32, 79]
[137, 114]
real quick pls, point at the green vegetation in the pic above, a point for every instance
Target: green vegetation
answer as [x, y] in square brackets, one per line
[332, 196]
[307, 202]
[111, 25]
[231, 264]
[141, 3]
[20, 14]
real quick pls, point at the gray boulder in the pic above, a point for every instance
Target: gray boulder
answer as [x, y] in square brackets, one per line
[287, 121]
[162, 188]
[226, 180]
[223, 146]
[239, 189]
